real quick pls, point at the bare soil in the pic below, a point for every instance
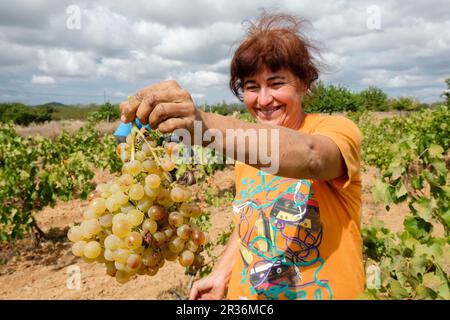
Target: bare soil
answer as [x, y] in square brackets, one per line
[41, 271]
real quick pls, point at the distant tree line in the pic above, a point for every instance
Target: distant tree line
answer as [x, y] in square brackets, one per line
[322, 98]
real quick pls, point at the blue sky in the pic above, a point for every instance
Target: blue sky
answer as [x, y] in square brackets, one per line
[77, 51]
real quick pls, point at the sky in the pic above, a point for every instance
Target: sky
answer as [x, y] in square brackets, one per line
[81, 52]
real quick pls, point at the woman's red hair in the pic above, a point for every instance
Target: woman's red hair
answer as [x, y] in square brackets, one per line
[273, 41]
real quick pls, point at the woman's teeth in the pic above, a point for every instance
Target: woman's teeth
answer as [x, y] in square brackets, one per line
[269, 111]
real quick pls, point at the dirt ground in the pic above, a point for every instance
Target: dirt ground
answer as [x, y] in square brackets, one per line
[28, 271]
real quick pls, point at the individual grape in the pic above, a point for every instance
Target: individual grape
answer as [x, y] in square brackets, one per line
[135, 217]
[198, 237]
[190, 245]
[134, 167]
[140, 156]
[160, 237]
[119, 216]
[87, 260]
[121, 255]
[98, 206]
[167, 164]
[121, 147]
[113, 242]
[136, 192]
[109, 255]
[102, 187]
[176, 219]
[127, 207]
[169, 233]
[168, 254]
[144, 204]
[110, 269]
[133, 240]
[120, 197]
[92, 250]
[149, 225]
[90, 227]
[122, 276]
[157, 213]
[89, 213]
[170, 146]
[149, 166]
[124, 156]
[164, 198]
[186, 258]
[134, 261]
[78, 248]
[111, 204]
[187, 194]
[151, 271]
[106, 220]
[161, 262]
[121, 228]
[176, 245]
[151, 193]
[184, 232]
[115, 188]
[151, 257]
[126, 181]
[75, 234]
[153, 181]
[177, 194]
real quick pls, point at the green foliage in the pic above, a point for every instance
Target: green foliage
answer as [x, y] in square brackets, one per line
[446, 93]
[217, 198]
[382, 138]
[36, 171]
[21, 114]
[331, 98]
[374, 99]
[107, 112]
[415, 263]
[404, 104]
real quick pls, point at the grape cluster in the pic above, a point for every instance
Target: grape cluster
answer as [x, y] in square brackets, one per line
[143, 217]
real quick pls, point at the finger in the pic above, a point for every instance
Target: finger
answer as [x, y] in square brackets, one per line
[145, 108]
[193, 293]
[130, 107]
[164, 111]
[172, 124]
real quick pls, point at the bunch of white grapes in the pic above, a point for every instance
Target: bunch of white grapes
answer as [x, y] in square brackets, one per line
[142, 218]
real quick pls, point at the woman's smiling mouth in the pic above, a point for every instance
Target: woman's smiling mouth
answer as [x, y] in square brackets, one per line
[270, 112]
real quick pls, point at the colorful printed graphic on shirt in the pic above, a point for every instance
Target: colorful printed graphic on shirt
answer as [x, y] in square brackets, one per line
[280, 234]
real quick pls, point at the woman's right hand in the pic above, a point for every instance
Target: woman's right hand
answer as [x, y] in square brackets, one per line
[211, 287]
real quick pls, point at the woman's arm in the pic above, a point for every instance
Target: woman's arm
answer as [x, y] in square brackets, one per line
[168, 107]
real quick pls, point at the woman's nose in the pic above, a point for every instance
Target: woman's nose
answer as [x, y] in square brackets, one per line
[265, 97]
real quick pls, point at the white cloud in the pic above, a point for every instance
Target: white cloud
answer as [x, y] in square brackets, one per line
[124, 46]
[66, 63]
[42, 80]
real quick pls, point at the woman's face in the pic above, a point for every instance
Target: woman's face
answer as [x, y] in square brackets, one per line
[275, 97]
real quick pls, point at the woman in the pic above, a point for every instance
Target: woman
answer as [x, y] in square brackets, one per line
[297, 232]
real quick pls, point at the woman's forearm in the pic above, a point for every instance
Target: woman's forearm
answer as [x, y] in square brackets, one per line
[297, 155]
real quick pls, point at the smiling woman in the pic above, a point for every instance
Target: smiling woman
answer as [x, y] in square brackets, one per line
[297, 233]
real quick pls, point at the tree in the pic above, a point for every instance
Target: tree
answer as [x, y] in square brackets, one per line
[446, 93]
[329, 99]
[374, 99]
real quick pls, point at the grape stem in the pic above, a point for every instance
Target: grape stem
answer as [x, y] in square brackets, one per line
[152, 150]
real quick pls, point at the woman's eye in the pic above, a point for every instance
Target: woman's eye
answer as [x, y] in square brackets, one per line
[277, 84]
[251, 88]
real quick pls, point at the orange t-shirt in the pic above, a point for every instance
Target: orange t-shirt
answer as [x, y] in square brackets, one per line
[300, 239]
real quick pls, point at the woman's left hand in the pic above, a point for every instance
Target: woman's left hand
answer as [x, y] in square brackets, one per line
[165, 106]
